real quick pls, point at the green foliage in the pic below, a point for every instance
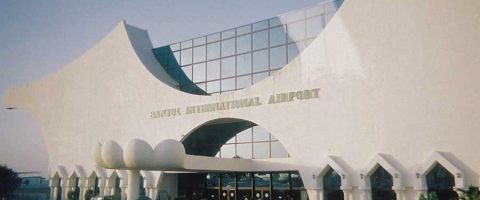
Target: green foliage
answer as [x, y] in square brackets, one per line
[143, 198]
[88, 194]
[472, 193]
[182, 198]
[430, 196]
[9, 182]
[72, 195]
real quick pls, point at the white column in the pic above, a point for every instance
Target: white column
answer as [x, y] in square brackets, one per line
[82, 186]
[54, 193]
[399, 194]
[346, 194]
[365, 194]
[101, 186]
[133, 184]
[153, 193]
[421, 191]
[64, 186]
[124, 192]
[315, 194]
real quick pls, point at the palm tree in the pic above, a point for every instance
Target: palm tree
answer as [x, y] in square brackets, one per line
[9, 182]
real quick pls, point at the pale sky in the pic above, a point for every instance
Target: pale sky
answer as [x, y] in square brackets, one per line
[39, 37]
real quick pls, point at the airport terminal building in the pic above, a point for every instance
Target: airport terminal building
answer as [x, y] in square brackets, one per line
[340, 100]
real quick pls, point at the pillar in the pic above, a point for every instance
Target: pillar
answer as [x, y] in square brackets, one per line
[365, 194]
[315, 194]
[64, 186]
[54, 192]
[399, 194]
[133, 184]
[83, 188]
[420, 191]
[347, 194]
[153, 193]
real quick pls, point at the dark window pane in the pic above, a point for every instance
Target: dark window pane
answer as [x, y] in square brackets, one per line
[441, 181]
[260, 40]
[331, 185]
[260, 61]
[213, 37]
[213, 50]
[244, 43]
[278, 36]
[213, 70]
[244, 180]
[228, 179]
[278, 57]
[296, 31]
[228, 47]
[244, 81]
[186, 44]
[213, 86]
[280, 181]
[199, 54]
[259, 77]
[199, 72]
[244, 64]
[186, 57]
[228, 67]
[314, 26]
[262, 180]
[228, 34]
[228, 84]
[296, 180]
[260, 25]
[213, 180]
[381, 182]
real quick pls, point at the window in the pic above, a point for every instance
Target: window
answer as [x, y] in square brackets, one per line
[260, 61]
[381, 182]
[441, 181]
[260, 40]
[331, 186]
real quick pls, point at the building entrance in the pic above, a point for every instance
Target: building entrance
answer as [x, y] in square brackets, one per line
[242, 186]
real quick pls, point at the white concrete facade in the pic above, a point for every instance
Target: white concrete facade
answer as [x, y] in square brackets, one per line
[398, 88]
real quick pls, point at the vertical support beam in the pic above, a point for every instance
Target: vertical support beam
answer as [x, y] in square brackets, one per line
[399, 194]
[315, 194]
[54, 192]
[133, 184]
[347, 194]
[64, 186]
[153, 193]
[365, 194]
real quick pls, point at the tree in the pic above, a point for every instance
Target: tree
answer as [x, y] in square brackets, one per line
[472, 193]
[430, 196]
[9, 182]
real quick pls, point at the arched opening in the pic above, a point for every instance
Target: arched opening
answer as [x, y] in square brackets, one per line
[238, 139]
[331, 185]
[441, 181]
[381, 182]
[73, 191]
